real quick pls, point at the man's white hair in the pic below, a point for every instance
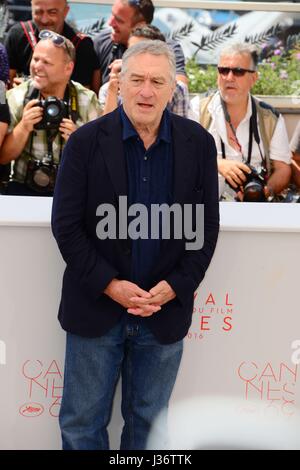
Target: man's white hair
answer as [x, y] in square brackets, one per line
[242, 48]
[154, 47]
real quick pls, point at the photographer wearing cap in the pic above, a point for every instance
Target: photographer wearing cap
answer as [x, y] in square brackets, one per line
[44, 112]
[251, 137]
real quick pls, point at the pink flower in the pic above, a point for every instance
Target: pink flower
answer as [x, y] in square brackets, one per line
[283, 74]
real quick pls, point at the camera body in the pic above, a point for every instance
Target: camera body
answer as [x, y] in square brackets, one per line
[254, 185]
[54, 111]
[41, 174]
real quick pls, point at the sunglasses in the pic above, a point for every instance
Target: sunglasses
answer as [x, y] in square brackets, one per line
[134, 3]
[57, 39]
[237, 71]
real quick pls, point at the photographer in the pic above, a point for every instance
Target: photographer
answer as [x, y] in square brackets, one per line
[4, 122]
[251, 137]
[50, 15]
[44, 112]
[295, 148]
[4, 112]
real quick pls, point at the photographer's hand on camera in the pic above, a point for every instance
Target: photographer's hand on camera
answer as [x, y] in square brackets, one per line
[32, 114]
[66, 128]
[16, 140]
[233, 171]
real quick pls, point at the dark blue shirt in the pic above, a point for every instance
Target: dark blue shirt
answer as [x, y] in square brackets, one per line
[149, 182]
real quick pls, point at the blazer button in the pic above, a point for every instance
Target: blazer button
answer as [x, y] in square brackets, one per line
[127, 251]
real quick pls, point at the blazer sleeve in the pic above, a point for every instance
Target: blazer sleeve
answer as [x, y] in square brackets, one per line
[78, 250]
[190, 270]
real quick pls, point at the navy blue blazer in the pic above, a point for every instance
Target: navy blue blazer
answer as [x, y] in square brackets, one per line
[93, 172]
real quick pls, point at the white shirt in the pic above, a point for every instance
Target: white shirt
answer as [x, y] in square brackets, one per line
[279, 145]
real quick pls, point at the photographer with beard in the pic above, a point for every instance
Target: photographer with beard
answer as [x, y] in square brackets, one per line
[44, 112]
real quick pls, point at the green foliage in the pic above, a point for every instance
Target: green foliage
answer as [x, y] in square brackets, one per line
[201, 79]
[278, 75]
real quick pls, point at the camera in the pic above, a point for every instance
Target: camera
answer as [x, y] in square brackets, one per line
[253, 187]
[41, 174]
[54, 110]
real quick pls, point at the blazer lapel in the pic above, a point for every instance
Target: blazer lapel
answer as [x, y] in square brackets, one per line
[111, 144]
[183, 164]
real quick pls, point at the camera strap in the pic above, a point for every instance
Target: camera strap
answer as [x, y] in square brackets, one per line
[50, 137]
[253, 132]
[70, 97]
[72, 100]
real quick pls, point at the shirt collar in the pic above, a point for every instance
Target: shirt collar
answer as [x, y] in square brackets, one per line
[215, 106]
[164, 132]
[217, 113]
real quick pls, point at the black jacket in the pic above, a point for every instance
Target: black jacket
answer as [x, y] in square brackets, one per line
[92, 172]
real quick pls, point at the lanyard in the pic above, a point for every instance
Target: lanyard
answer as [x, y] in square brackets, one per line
[70, 97]
[50, 139]
[249, 146]
[253, 131]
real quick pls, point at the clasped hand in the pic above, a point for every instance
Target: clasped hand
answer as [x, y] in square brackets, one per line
[137, 301]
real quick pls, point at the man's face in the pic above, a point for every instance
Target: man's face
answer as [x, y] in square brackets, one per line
[121, 21]
[235, 90]
[146, 88]
[49, 67]
[49, 14]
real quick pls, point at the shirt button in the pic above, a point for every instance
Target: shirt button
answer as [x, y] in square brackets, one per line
[145, 157]
[144, 179]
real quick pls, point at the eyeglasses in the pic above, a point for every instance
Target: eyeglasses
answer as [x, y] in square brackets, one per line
[57, 39]
[237, 71]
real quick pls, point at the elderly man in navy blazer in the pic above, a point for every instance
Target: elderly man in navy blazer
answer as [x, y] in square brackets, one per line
[136, 218]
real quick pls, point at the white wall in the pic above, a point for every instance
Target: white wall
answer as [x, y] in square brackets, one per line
[240, 343]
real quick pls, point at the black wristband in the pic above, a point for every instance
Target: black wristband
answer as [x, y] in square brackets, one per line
[4, 113]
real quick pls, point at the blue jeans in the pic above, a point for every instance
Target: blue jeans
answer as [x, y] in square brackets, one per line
[92, 368]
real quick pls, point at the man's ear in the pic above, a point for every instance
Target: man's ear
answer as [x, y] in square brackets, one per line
[254, 78]
[70, 67]
[66, 10]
